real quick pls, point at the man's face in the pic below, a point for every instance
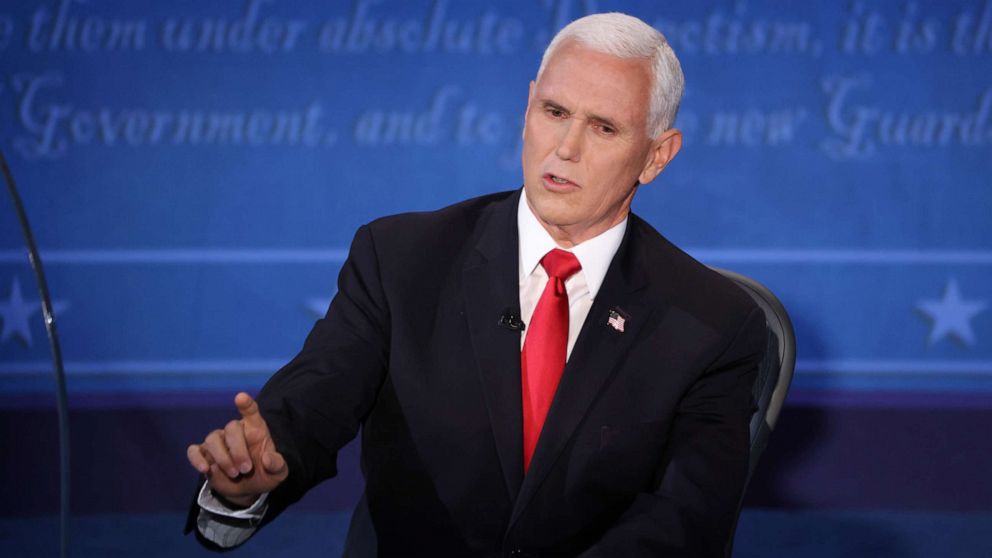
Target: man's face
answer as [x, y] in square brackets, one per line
[585, 143]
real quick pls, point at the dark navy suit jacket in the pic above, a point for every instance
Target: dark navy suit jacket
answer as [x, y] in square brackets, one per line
[644, 451]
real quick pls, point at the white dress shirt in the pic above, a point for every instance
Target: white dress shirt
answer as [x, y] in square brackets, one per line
[227, 528]
[594, 256]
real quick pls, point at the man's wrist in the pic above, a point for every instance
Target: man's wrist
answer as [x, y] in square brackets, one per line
[211, 502]
[235, 503]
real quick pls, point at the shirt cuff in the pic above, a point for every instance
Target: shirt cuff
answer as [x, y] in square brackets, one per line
[223, 526]
[212, 504]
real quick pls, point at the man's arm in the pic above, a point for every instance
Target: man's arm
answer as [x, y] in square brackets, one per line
[692, 510]
[315, 404]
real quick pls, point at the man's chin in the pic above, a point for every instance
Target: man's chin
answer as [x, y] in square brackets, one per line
[553, 216]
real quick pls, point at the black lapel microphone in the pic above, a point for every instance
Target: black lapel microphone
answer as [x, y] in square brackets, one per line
[510, 320]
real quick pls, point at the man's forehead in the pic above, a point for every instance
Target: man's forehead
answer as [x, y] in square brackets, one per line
[582, 79]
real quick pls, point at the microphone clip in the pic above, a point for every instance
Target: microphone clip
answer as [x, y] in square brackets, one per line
[511, 320]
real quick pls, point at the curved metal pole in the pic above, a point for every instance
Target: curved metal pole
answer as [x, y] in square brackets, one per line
[53, 342]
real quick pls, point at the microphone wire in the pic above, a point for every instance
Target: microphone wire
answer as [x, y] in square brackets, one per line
[62, 399]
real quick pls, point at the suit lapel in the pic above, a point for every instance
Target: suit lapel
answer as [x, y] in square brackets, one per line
[598, 352]
[490, 279]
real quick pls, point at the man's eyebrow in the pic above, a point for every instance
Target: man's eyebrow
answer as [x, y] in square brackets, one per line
[605, 120]
[548, 103]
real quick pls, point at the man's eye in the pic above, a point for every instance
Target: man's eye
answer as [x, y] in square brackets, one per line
[606, 130]
[556, 113]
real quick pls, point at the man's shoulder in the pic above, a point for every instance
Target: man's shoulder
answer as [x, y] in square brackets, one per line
[441, 238]
[685, 282]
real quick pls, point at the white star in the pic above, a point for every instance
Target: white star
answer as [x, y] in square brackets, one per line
[16, 315]
[952, 315]
[17, 312]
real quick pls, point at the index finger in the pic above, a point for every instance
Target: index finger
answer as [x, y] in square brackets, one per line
[247, 407]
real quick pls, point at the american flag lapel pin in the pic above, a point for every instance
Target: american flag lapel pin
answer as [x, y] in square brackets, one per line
[616, 320]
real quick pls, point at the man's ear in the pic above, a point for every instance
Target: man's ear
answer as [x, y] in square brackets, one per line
[663, 149]
[530, 98]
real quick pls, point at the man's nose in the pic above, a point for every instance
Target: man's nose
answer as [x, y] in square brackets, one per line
[570, 144]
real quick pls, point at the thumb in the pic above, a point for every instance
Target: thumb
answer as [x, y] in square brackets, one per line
[274, 464]
[248, 409]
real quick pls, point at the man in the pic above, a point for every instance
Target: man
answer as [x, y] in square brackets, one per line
[448, 340]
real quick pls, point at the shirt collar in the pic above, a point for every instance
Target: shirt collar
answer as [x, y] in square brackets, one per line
[594, 254]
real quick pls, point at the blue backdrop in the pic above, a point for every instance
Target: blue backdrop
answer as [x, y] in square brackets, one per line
[195, 170]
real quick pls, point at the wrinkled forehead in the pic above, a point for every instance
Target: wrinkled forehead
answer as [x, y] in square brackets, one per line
[584, 80]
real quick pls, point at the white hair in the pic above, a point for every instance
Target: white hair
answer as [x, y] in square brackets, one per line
[626, 36]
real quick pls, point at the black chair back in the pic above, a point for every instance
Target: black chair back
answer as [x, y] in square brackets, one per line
[774, 373]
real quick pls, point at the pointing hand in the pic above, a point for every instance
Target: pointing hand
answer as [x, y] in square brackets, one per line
[240, 461]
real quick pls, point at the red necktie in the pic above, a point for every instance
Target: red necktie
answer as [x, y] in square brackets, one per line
[543, 358]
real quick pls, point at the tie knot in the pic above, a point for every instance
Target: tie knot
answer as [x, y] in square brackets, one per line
[560, 264]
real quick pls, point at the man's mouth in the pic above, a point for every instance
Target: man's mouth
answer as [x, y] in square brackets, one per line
[556, 180]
